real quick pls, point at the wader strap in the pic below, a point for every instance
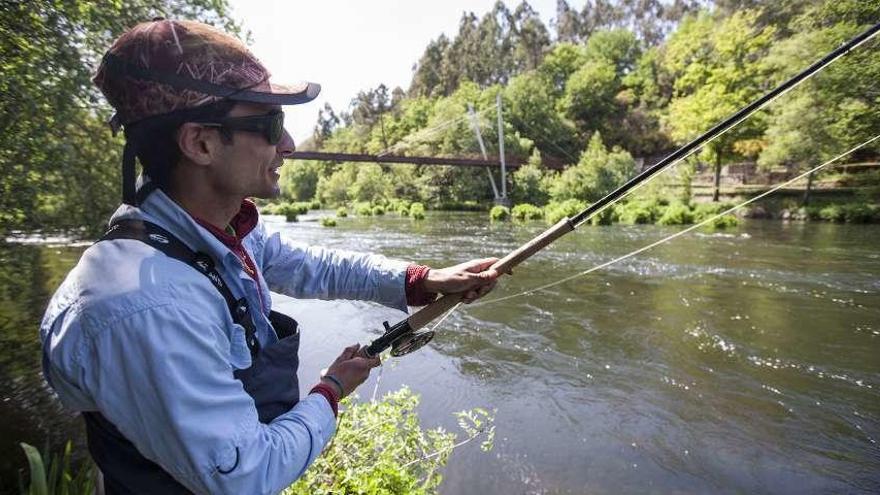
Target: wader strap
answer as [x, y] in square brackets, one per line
[164, 241]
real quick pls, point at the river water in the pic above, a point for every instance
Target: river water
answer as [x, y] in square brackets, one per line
[722, 362]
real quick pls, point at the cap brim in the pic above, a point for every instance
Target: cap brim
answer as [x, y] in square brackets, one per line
[280, 94]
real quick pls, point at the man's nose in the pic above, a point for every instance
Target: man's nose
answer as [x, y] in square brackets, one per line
[286, 147]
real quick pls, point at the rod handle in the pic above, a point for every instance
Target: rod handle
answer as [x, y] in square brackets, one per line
[425, 315]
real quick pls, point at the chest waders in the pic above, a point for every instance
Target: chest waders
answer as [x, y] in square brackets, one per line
[271, 380]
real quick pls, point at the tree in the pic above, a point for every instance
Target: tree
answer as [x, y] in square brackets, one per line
[530, 107]
[719, 70]
[567, 23]
[431, 77]
[530, 38]
[327, 123]
[59, 165]
[833, 111]
[299, 179]
[598, 172]
[528, 182]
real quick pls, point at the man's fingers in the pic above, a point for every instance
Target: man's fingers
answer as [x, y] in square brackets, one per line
[480, 265]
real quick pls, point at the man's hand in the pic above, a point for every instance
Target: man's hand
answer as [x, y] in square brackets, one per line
[350, 370]
[471, 277]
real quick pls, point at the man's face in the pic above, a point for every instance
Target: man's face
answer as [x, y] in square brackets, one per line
[249, 166]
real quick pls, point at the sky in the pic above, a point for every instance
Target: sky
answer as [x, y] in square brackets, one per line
[349, 46]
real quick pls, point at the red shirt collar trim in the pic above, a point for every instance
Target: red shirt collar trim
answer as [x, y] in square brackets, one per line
[243, 222]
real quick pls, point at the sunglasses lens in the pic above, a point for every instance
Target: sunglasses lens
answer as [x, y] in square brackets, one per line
[276, 128]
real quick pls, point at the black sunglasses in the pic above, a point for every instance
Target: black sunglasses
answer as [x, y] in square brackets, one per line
[270, 125]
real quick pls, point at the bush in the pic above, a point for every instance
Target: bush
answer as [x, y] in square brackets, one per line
[315, 205]
[638, 211]
[269, 209]
[400, 206]
[858, 213]
[499, 213]
[526, 211]
[377, 210]
[556, 211]
[604, 217]
[676, 214]
[363, 209]
[724, 222]
[417, 211]
[342, 212]
[328, 222]
[832, 213]
[380, 448]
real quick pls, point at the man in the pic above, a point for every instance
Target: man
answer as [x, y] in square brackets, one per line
[163, 334]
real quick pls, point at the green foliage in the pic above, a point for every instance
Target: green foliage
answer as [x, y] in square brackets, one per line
[370, 184]
[718, 68]
[328, 222]
[499, 213]
[850, 213]
[315, 205]
[377, 210]
[342, 212]
[556, 211]
[299, 180]
[529, 184]
[597, 173]
[363, 209]
[526, 211]
[638, 211]
[381, 449]
[333, 189]
[59, 164]
[417, 211]
[676, 214]
[60, 479]
[707, 210]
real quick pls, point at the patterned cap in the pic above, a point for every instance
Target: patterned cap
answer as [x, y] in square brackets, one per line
[162, 66]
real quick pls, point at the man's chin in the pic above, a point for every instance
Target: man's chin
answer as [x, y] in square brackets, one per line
[270, 193]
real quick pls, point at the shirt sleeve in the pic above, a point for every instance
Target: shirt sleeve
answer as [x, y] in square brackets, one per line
[311, 272]
[161, 375]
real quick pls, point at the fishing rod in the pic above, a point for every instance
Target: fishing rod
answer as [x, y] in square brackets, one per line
[404, 336]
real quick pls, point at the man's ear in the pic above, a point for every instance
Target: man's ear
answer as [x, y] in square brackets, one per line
[198, 144]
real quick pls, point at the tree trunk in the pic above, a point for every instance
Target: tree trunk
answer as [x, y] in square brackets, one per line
[717, 193]
[806, 199]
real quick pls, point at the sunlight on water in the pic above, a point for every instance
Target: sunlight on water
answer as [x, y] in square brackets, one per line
[741, 361]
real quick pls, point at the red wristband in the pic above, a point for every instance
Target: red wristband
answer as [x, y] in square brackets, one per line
[330, 394]
[416, 295]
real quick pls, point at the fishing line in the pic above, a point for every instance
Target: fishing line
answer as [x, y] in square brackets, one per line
[404, 337]
[677, 234]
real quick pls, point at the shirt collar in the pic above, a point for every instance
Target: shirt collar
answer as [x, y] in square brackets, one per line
[162, 210]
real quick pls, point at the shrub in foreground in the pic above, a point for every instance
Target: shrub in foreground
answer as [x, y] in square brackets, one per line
[380, 448]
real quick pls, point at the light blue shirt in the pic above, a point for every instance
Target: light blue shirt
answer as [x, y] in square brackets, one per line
[148, 341]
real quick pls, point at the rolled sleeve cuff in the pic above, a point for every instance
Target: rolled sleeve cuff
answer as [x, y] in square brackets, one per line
[392, 287]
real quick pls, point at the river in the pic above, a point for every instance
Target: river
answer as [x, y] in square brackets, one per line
[722, 362]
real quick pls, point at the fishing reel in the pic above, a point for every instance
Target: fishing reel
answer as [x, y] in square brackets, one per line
[401, 338]
[410, 342]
